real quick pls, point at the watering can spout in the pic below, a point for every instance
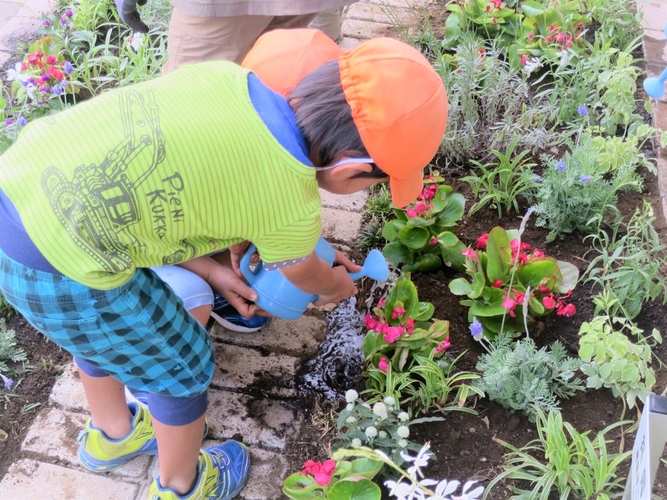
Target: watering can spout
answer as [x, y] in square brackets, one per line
[375, 267]
[655, 86]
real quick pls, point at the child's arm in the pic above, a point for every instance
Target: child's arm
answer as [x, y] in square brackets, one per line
[331, 284]
[224, 281]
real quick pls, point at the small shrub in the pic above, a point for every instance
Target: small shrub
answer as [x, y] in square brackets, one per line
[9, 352]
[523, 377]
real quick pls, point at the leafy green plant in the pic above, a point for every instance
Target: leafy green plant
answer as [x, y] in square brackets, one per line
[628, 270]
[9, 352]
[563, 461]
[501, 182]
[509, 286]
[335, 479]
[382, 426]
[573, 194]
[520, 376]
[420, 238]
[611, 359]
[377, 211]
[404, 354]
[490, 104]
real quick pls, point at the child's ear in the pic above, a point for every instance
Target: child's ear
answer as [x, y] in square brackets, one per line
[351, 169]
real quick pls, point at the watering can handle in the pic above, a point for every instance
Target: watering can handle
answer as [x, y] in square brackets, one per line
[245, 265]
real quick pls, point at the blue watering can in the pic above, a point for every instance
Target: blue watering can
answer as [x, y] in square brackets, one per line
[655, 86]
[277, 296]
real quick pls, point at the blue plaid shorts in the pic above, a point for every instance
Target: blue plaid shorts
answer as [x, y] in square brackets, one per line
[140, 333]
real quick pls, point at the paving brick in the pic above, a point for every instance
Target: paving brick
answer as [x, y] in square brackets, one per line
[353, 202]
[299, 337]
[239, 367]
[349, 43]
[68, 390]
[381, 14]
[340, 225]
[258, 421]
[399, 3]
[365, 29]
[32, 480]
[53, 434]
[23, 24]
[655, 15]
[267, 472]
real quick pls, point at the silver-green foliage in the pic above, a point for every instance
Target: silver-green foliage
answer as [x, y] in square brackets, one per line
[489, 103]
[630, 267]
[574, 193]
[564, 462]
[523, 377]
[9, 352]
[611, 359]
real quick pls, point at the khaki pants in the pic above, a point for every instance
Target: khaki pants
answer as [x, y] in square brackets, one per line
[197, 39]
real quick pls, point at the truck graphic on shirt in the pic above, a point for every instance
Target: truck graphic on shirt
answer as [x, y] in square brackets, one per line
[99, 202]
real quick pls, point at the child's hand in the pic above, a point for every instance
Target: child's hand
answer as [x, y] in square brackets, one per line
[237, 252]
[341, 260]
[225, 281]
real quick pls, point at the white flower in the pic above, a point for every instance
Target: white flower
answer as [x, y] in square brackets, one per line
[371, 431]
[137, 41]
[402, 443]
[350, 407]
[446, 487]
[403, 416]
[382, 434]
[389, 401]
[351, 396]
[472, 495]
[421, 460]
[564, 56]
[356, 442]
[15, 73]
[532, 64]
[380, 409]
[403, 431]
[350, 420]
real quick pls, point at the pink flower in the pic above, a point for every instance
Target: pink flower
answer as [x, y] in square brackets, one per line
[392, 333]
[560, 38]
[543, 288]
[549, 302]
[494, 20]
[383, 365]
[55, 73]
[566, 310]
[510, 305]
[51, 59]
[537, 253]
[523, 59]
[549, 38]
[410, 326]
[434, 240]
[530, 36]
[398, 312]
[497, 4]
[443, 346]
[497, 284]
[381, 302]
[370, 322]
[515, 245]
[428, 193]
[468, 252]
[321, 472]
[519, 297]
[482, 241]
[411, 213]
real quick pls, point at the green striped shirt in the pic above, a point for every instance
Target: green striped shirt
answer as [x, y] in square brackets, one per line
[160, 173]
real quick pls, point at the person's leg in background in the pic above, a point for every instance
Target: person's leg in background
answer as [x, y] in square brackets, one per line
[329, 23]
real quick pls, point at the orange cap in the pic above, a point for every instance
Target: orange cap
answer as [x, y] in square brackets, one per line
[281, 58]
[399, 105]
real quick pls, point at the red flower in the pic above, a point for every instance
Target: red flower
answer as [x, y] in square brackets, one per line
[482, 241]
[566, 310]
[55, 73]
[519, 297]
[469, 253]
[428, 193]
[549, 302]
[321, 472]
[543, 288]
[410, 326]
[383, 365]
[398, 312]
[509, 304]
[370, 322]
[494, 20]
[530, 36]
[537, 253]
[549, 38]
[392, 333]
[434, 240]
[51, 59]
[497, 284]
[443, 346]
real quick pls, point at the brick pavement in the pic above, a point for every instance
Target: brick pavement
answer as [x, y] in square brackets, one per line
[48, 468]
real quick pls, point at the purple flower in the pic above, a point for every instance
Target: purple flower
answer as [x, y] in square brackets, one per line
[8, 122]
[32, 81]
[45, 89]
[560, 166]
[8, 383]
[582, 110]
[22, 121]
[476, 329]
[585, 178]
[537, 178]
[45, 77]
[68, 67]
[57, 90]
[69, 13]
[63, 21]
[46, 22]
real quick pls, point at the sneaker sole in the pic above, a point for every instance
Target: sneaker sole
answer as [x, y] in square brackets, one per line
[242, 485]
[231, 326]
[95, 465]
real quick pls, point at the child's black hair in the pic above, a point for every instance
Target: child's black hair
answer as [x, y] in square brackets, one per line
[325, 118]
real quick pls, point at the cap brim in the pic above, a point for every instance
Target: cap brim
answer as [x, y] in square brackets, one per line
[405, 190]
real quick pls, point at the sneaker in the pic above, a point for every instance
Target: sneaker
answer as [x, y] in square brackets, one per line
[141, 398]
[221, 475]
[98, 453]
[225, 314]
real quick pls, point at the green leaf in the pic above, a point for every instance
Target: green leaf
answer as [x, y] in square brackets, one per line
[424, 263]
[396, 253]
[404, 291]
[532, 273]
[498, 253]
[447, 239]
[453, 211]
[460, 286]
[391, 229]
[425, 312]
[586, 352]
[300, 487]
[532, 9]
[570, 275]
[354, 490]
[453, 257]
[414, 237]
